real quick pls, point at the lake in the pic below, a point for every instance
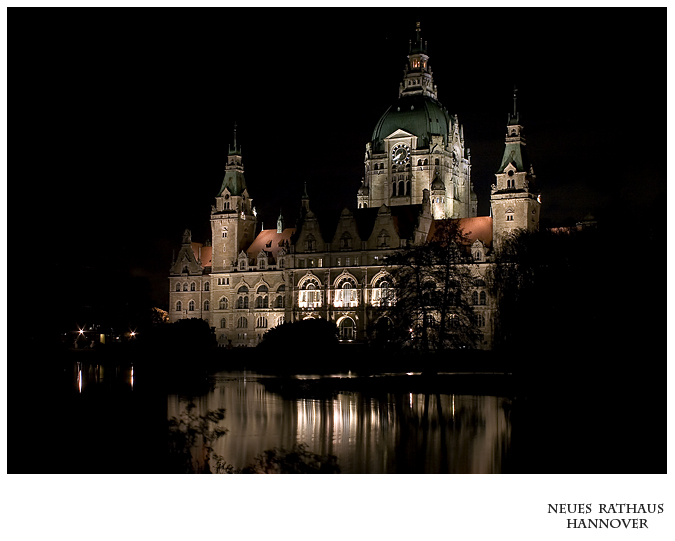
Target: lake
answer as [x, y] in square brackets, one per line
[369, 431]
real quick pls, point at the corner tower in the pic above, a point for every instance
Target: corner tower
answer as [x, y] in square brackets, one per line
[515, 201]
[233, 217]
[416, 146]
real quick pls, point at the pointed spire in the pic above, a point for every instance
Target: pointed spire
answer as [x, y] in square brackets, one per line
[280, 223]
[236, 150]
[513, 118]
[305, 198]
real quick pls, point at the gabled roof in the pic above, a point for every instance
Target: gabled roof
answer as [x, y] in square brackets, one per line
[479, 228]
[269, 241]
[404, 217]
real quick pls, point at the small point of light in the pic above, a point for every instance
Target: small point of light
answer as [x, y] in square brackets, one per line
[81, 331]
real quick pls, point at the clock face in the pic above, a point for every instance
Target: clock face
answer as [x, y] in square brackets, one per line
[400, 154]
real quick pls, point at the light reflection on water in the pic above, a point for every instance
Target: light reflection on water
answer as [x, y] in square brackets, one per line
[383, 433]
[90, 374]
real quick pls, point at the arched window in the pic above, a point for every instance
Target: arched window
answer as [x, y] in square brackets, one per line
[222, 304]
[437, 162]
[346, 241]
[262, 302]
[401, 188]
[310, 243]
[206, 286]
[480, 320]
[383, 294]
[179, 306]
[185, 286]
[419, 162]
[191, 306]
[347, 329]
[346, 294]
[280, 302]
[242, 290]
[426, 162]
[193, 287]
[242, 323]
[483, 298]
[383, 239]
[207, 305]
[178, 286]
[474, 298]
[393, 189]
[223, 323]
[407, 187]
[261, 323]
[310, 295]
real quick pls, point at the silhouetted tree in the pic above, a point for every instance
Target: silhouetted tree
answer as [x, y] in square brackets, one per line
[432, 284]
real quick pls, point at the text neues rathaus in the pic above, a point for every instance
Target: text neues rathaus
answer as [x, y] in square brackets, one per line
[417, 174]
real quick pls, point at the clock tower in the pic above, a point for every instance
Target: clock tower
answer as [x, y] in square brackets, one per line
[515, 201]
[416, 146]
[233, 217]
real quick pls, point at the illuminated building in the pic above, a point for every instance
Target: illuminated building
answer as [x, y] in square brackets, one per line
[417, 172]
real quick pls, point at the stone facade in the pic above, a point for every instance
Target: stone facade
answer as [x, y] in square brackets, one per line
[417, 173]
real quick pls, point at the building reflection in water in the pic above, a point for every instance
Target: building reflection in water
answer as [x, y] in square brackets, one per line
[387, 433]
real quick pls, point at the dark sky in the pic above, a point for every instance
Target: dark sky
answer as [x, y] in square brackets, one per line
[124, 116]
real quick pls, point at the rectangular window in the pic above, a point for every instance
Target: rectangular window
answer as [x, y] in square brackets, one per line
[320, 262]
[338, 262]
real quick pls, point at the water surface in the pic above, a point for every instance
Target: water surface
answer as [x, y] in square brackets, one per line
[369, 432]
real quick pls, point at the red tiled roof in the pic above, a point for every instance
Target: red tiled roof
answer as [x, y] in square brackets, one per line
[202, 252]
[269, 241]
[479, 227]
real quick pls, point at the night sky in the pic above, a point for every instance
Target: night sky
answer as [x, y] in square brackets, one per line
[124, 118]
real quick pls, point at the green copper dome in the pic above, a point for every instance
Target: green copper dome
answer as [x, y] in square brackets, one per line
[420, 115]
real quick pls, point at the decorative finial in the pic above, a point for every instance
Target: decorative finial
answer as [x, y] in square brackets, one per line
[514, 100]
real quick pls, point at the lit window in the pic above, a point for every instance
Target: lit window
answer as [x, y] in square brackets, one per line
[346, 294]
[310, 295]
